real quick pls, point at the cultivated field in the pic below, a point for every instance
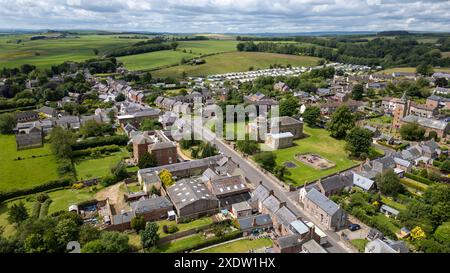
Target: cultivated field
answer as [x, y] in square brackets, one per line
[45, 53]
[318, 142]
[187, 50]
[37, 166]
[236, 62]
[410, 69]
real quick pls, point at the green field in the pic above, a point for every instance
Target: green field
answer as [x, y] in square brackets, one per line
[45, 53]
[240, 246]
[99, 167]
[318, 142]
[236, 62]
[410, 69]
[152, 60]
[28, 172]
[207, 47]
[360, 244]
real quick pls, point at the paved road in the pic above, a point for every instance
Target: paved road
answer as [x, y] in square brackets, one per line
[255, 176]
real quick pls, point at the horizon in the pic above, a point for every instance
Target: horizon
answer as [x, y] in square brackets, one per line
[232, 16]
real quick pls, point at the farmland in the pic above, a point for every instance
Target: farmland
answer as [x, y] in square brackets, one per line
[45, 53]
[36, 166]
[236, 62]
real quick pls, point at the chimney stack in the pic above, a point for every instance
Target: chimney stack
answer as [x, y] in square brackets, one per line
[271, 192]
[254, 222]
[282, 204]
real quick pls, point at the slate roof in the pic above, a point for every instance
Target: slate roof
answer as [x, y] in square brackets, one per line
[426, 122]
[288, 241]
[313, 247]
[205, 162]
[228, 185]
[285, 216]
[322, 201]
[260, 193]
[241, 206]
[336, 182]
[271, 203]
[154, 203]
[261, 220]
[162, 145]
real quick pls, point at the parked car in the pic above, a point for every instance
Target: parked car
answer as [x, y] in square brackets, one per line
[354, 227]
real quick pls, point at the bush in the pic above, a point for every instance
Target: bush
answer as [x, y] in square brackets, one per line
[41, 197]
[36, 209]
[172, 229]
[44, 208]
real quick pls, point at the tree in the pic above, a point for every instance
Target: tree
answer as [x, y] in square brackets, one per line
[95, 51]
[267, 160]
[358, 141]
[119, 171]
[17, 213]
[150, 125]
[442, 233]
[147, 160]
[388, 183]
[247, 146]
[61, 141]
[138, 223]
[341, 121]
[7, 123]
[149, 236]
[358, 92]
[208, 150]
[289, 107]
[417, 233]
[109, 242]
[445, 166]
[166, 178]
[425, 70]
[412, 131]
[87, 234]
[311, 115]
[120, 97]
[174, 45]
[281, 171]
[65, 231]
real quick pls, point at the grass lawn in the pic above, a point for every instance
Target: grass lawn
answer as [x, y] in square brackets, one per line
[45, 53]
[99, 167]
[318, 142]
[235, 62]
[185, 226]
[62, 199]
[28, 172]
[178, 245]
[241, 246]
[389, 223]
[360, 244]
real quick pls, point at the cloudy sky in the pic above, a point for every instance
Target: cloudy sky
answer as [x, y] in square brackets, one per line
[222, 16]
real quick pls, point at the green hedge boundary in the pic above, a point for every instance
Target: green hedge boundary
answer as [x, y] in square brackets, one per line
[419, 178]
[6, 195]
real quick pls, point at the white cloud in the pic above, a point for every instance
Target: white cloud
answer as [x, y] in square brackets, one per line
[227, 15]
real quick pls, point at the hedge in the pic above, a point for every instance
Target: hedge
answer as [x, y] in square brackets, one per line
[5, 195]
[44, 208]
[419, 178]
[415, 185]
[101, 150]
[120, 140]
[36, 209]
